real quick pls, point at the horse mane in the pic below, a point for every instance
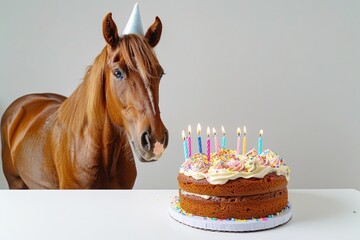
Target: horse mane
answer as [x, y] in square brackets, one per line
[87, 103]
[139, 56]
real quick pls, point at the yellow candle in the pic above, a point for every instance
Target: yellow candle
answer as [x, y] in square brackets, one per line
[244, 142]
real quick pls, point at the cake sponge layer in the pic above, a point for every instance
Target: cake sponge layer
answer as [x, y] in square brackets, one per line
[239, 207]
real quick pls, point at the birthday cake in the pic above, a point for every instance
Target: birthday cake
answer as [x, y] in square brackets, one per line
[228, 185]
[234, 186]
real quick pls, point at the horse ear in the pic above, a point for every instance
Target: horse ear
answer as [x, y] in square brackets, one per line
[110, 31]
[153, 34]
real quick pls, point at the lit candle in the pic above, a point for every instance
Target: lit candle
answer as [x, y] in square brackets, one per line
[199, 137]
[189, 141]
[244, 142]
[185, 145]
[208, 143]
[223, 141]
[260, 142]
[238, 141]
[216, 145]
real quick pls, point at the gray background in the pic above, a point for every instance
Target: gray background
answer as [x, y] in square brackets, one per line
[289, 67]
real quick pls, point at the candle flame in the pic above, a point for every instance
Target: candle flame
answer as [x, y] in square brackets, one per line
[244, 130]
[198, 129]
[214, 131]
[261, 132]
[238, 131]
[189, 129]
[223, 130]
[208, 131]
[183, 135]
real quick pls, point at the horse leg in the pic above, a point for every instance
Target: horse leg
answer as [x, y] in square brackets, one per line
[15, 182]
[13, 179]
[11, 175]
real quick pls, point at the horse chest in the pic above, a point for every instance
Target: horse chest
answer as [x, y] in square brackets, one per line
[87, 162]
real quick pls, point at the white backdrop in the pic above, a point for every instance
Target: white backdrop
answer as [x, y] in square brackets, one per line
[289, 67]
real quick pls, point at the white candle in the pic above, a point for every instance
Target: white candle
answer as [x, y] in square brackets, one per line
[238, 141]
[244, 142]
[217, 147]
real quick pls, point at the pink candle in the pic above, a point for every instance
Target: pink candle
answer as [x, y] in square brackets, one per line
[189, 141]
[216, 145]
[208, 144]
[238, 141]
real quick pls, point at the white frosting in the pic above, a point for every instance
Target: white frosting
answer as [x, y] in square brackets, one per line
[224, 166]
[183, 192]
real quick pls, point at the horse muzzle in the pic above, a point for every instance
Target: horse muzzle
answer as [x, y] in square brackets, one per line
[150, 147]
[153, 146]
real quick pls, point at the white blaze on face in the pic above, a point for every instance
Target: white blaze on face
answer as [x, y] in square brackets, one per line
[147, 86]
[151, 98]
[158, 148]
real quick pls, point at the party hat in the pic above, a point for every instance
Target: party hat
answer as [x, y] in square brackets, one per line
[134, 24]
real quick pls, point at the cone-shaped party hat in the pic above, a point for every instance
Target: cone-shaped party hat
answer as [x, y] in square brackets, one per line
[134, 24]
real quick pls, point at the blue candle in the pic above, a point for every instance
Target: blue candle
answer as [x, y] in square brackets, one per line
[260, 142]
[186, 154]
[199, 137]
[223, 141]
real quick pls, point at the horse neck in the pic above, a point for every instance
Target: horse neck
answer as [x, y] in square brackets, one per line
[85, 107]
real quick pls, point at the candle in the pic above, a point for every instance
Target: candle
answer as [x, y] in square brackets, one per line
[199, 138]
[223, 141]
[260, 142]
[216, 145]
[208, 143]
[244, 142]
[238, 141]
[189, 141]
[185, 145]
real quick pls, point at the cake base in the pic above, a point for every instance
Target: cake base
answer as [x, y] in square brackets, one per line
[229, 225]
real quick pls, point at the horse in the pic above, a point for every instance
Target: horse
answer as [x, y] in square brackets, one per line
[91, 139]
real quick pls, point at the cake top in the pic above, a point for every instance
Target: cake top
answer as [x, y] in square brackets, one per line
[226, 165]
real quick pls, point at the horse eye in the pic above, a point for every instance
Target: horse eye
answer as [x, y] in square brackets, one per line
[118, 74]
[162, 74]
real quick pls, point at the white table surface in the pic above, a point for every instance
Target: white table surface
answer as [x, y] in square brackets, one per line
[143, 214]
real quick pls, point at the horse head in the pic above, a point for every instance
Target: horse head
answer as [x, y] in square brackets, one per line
[132, 76]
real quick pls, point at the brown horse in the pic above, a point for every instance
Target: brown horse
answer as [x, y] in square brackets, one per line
[90, 140]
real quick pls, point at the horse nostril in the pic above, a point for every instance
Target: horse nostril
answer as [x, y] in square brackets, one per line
[145, 141]
[165, 138]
